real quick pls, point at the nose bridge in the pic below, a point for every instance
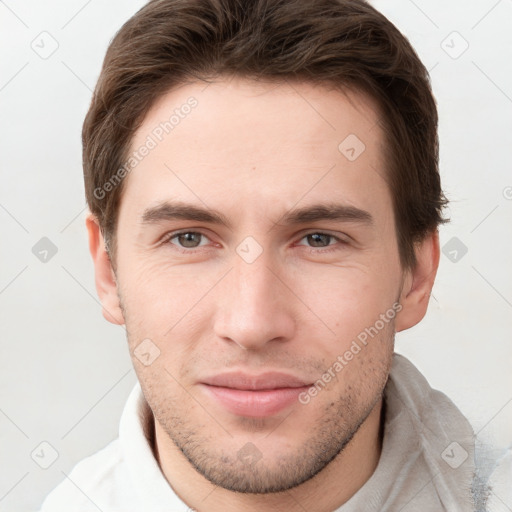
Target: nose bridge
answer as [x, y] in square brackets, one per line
[254, 310]
[254, 287]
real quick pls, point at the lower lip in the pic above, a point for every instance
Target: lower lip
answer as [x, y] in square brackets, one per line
[255, 404]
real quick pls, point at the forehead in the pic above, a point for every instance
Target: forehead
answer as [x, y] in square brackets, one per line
[262, 143]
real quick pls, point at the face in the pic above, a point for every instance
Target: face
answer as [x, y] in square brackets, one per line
[255, 246]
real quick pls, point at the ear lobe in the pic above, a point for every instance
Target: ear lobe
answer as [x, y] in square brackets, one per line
[418, 283]
[104, 276]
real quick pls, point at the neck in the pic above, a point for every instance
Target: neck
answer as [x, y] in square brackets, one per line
[326, 491]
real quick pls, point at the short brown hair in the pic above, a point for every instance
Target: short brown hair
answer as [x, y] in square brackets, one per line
[345, 43]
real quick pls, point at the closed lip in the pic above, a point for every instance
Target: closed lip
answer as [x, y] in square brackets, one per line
[248, 382]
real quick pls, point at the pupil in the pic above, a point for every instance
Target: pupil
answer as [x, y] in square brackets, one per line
[319, 240]
[189, 239]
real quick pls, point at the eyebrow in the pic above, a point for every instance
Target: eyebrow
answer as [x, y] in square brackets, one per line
[321, 212]
[314, 213]
[182, 211]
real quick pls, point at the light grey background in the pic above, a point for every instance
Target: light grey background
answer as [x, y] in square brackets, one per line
[65, 372]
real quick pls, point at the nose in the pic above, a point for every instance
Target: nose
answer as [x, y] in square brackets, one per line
[256, 307]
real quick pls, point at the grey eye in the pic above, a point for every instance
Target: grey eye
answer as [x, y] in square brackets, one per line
[190, 239]
[319, 239]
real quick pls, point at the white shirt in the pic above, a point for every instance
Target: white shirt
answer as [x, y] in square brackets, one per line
[426, 464]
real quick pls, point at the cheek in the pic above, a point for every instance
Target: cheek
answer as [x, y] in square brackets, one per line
[159, 298]
[347, 299]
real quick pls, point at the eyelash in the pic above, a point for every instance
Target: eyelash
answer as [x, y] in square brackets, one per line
[329, 248]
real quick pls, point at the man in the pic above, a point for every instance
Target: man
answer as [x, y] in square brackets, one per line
[264, 193]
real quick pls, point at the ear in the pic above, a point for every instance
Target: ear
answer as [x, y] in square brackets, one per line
[418, 283]
[105, 279]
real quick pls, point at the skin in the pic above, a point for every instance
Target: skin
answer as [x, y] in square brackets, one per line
[254, 152]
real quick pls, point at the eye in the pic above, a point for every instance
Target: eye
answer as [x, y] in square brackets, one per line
[188, 239]
[319, 240]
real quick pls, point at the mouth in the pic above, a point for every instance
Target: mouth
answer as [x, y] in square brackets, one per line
[254, 396]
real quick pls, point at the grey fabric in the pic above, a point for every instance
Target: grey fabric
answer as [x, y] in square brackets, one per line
[427, 460]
